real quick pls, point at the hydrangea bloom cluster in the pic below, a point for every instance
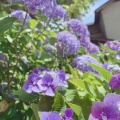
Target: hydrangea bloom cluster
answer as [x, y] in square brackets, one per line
[115, 81]
[77, 27]
[67, 115]
[113, 68]
[109, 109]
[80, 62]
[67, 43]
[92, 48]
[45, 81]
[20, 15]
[48, 7]
[114, 45]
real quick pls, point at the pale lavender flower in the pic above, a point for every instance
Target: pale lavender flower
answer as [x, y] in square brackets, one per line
[80, 62]
[20, 15]
[67, 43]
[49, 116]
[113, 99]
[115, 81]
[92, 48]
[31, 85]
[48, 84]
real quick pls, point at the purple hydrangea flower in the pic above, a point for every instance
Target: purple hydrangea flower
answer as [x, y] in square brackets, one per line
[59, 12]
[31, 85]
[80, 29]
[115, 81]
[49, 116]
[80, 62]
[68, 114]
[20, 15]
[85, 41]
[77, 27]
[48, 85]
[114, 45]
[45, 81]
[113, 68]
[92, 48]
[104, 111]
[67, 43]
[113, 99]
[109, 109]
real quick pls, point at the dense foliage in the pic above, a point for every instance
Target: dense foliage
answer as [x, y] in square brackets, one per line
[50, 70]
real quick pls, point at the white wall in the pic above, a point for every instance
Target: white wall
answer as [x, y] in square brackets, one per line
[111, 19]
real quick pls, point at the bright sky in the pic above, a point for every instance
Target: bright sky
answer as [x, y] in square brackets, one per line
[90, 15]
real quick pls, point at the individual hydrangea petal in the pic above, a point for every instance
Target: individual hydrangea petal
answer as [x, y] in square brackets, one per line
[26, 87]
[47, 79]
[36, 89]
[54, 116]
[103, 111]
[44, 115]
[49, 116]
[113, 99]
[50, 91]
[68, 112]
[92, 118]
[115, 81]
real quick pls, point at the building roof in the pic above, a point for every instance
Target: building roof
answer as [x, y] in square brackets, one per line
[90, 16]
[104, 5]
